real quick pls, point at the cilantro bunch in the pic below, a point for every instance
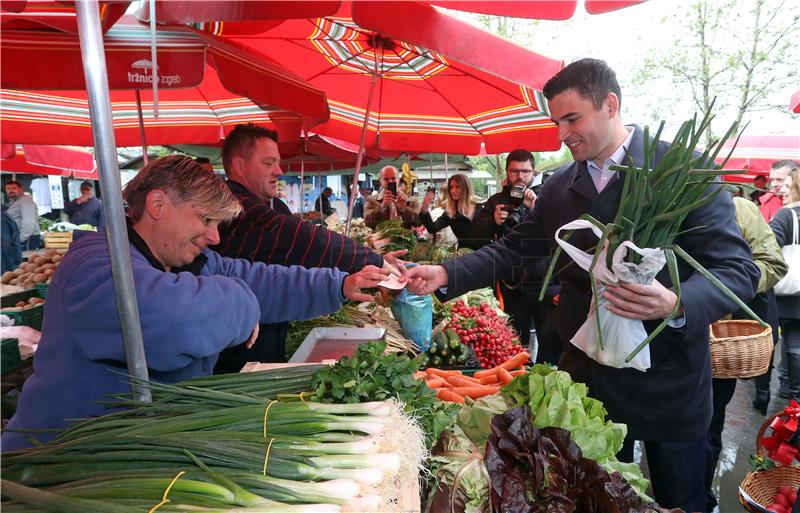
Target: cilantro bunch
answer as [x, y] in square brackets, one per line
[372, 375]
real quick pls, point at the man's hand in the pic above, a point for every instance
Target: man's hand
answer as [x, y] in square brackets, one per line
[252, 339]
[80, 200]
[427, 200]
[500, 215]
[425, 279]
[401, 203]
[529, 199]
[392, 262]
[366, 278]
[643, 302]
[388, 199]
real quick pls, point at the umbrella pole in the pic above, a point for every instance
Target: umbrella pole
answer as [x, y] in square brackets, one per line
[154, 57]
[302, 173]
[360, 154]
[94, 68]
[145, 157]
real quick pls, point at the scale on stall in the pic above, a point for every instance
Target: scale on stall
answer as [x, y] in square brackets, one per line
[325, 344]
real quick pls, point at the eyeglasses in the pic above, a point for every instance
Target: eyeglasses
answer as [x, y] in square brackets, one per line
[518, 171]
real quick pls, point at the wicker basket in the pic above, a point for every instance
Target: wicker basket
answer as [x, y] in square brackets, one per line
[758, 489]
[740, 349]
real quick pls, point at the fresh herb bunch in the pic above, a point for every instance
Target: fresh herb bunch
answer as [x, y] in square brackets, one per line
[371, 375]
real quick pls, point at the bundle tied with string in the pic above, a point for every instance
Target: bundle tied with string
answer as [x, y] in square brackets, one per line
[656, 199]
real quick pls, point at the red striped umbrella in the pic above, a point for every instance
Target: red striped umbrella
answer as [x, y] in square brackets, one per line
[423, 101]
[48, 160]
[38, 14]
[36, 60]
[756, 153]
[537, 9]
[200, 115]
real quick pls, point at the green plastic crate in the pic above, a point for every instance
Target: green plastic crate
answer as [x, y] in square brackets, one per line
[9, 355]
[31, 316]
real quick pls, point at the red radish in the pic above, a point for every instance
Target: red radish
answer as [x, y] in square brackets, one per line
[781, 499]
[776, 508]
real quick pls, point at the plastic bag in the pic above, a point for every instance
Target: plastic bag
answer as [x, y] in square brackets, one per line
[621, 335]
[415, 315]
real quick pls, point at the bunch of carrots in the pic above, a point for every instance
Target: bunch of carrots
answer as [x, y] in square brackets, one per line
[453, 386]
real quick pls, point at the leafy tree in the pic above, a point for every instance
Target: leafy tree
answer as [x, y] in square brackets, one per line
[739, 52]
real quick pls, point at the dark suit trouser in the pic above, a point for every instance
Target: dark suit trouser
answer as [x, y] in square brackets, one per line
[677, 471]
[270, 347]
[520, 310]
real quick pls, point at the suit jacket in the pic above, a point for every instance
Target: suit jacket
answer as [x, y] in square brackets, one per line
[672, 400]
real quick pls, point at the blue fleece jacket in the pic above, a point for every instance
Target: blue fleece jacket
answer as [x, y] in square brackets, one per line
[186, 321]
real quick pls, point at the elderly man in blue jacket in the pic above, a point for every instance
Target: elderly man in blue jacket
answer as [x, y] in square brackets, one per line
[192, 302]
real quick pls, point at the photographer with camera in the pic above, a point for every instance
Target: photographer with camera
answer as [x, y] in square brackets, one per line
[391, 202]
[461, 209]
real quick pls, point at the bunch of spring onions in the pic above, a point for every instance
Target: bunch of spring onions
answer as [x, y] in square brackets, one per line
[656, 199]
[247, 455]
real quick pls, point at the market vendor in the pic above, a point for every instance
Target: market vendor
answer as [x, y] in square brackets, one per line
[192, 301]
[266, 231]
[668, 407]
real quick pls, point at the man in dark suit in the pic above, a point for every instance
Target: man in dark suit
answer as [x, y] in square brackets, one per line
[669, 406]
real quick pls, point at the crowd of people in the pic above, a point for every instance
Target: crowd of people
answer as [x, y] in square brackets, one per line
[213, 260]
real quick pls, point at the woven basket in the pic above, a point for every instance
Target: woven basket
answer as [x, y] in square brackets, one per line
[758, 489]
[740, 349]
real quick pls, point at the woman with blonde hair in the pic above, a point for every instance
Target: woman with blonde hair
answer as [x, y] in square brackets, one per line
[783, 225]
[461, 208]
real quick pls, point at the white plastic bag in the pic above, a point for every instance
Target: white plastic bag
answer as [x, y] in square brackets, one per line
[621, 335]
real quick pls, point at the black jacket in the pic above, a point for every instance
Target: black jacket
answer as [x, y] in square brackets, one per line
[672, 400]
[465, 229]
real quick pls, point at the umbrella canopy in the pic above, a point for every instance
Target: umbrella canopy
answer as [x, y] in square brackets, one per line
[55, 15]
[204, 114]
[756, 153]
[36, 60]
[181, 11]
[423, 101]
[537, 9]
[794, 104]
[48, 160]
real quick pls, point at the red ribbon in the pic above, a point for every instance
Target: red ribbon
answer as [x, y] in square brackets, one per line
[784, 428]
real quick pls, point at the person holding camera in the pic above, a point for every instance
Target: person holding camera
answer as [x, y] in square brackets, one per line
[461, 209]
[391, 203]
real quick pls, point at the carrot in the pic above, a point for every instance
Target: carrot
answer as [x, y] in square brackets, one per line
[462, 381]
[515, 361]
[490, 380]
[484, 373]
[518, 372]
[442, 373]
[434, 382]
[475, 392]
[504, 375]
[448, 395]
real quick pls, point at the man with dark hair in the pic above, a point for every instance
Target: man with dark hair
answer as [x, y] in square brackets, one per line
[772, 201]
[669, 406]
[86, 208]
[25, 213]
[501, 212]
[266, 231]
[192, 301]
[323, 203]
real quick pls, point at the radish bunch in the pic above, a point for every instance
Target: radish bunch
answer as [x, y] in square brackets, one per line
[493, 340]
[784, 500]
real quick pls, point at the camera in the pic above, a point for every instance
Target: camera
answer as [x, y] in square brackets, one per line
[515, 208]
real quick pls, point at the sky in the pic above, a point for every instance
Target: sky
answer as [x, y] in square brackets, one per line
[623, 38]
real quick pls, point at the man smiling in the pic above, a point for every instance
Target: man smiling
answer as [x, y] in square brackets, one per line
[192, 302]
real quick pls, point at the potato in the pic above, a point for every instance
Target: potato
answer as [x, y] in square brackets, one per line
[39, 260]
[49, 253]
[20, 304]
[30, 267]
[14, 281]
[35, 301]
[7, 277]
[48, 273]
[19, 271]
[56, 259]
[46, 266]
[39, 278]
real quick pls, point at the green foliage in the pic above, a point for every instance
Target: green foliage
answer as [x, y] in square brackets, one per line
[371, 375]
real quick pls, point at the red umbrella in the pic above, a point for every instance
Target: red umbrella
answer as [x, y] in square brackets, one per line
[794, 104]
[756, 153]
[47, 60]
[423, 101]
[48, 160]
[56, 15]
[199, 115]
[537, 9]
[180, 11]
